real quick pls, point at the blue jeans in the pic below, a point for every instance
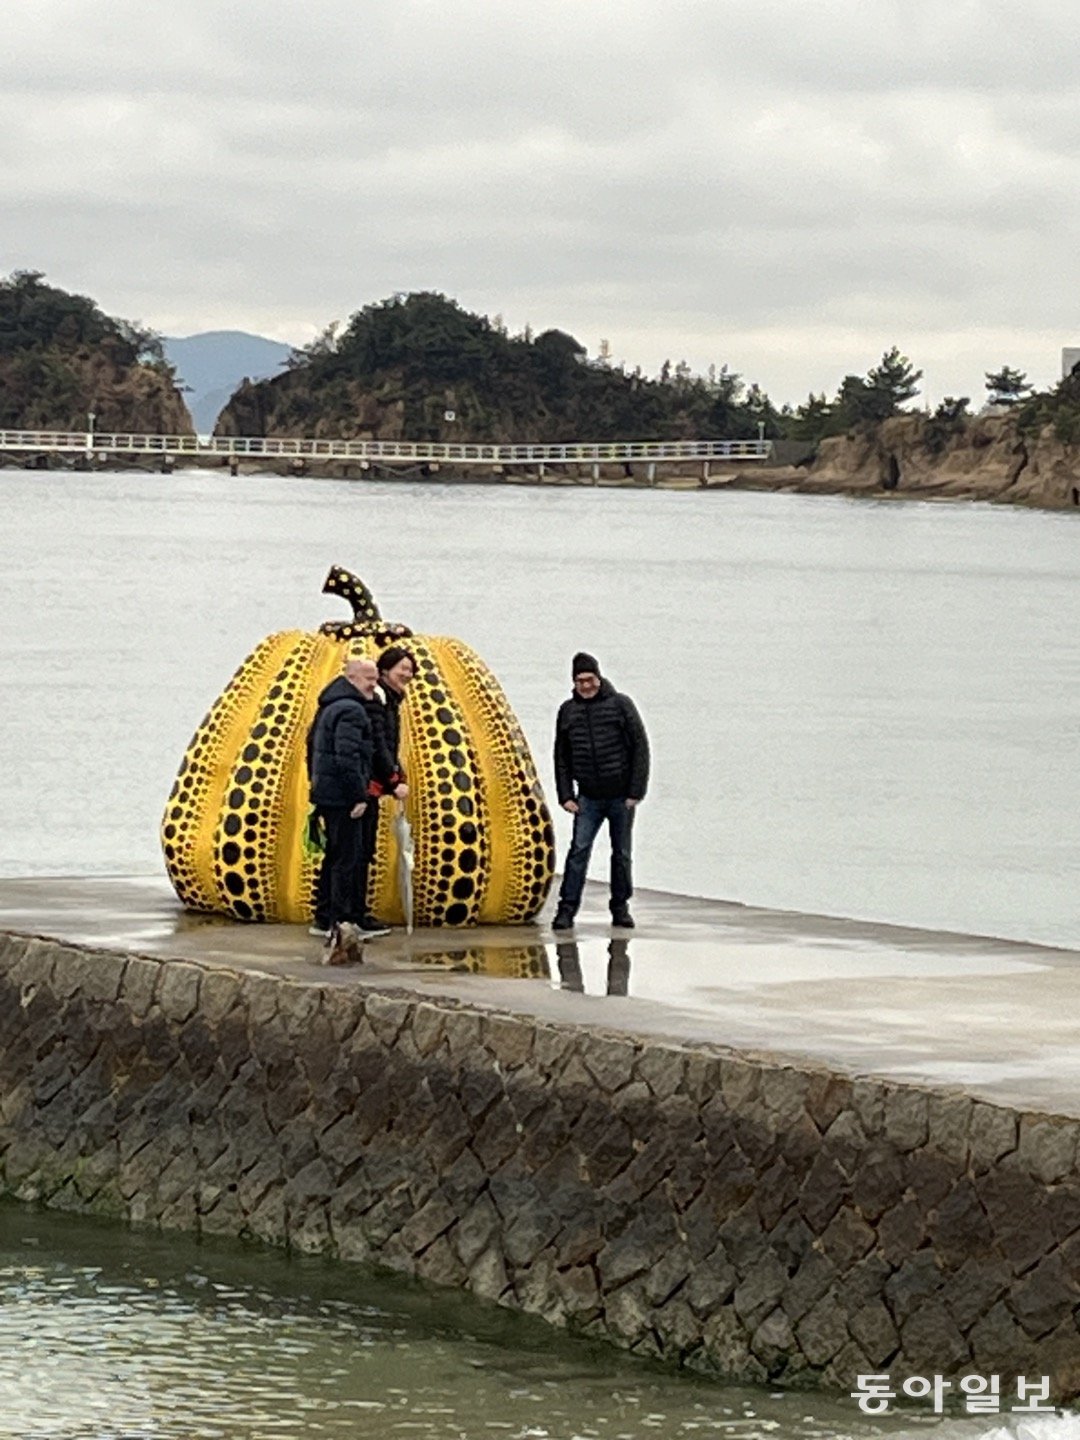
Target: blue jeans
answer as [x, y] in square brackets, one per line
[587, 825]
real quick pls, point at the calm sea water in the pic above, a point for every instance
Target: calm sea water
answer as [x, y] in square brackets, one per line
[109, 1335]
[865, 709]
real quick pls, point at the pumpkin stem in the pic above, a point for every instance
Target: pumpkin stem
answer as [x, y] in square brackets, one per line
[351, 588]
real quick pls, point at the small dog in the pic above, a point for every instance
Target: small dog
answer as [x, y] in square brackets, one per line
[344, 945]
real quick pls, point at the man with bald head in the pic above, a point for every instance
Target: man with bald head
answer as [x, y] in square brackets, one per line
[340, 748]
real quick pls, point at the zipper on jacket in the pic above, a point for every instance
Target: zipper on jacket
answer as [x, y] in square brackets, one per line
[592, 743]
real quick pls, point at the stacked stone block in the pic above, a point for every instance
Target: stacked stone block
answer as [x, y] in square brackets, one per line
[758, 1220]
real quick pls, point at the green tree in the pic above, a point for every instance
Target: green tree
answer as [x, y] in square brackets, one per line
[949, 419]
[1007, 386]
[864, 402]
[952, 411]
[556, 359]
[855, 404]
[324, 344]
[1058, 408]
[761, 415]
[812, 419]
[893, 382]
[424, 335]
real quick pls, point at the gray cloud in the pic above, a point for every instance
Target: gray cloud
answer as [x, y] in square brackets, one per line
[787, 188]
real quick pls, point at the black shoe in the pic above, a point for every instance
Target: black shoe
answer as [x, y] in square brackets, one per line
[564, 919]
[370, 928]
[622, 919]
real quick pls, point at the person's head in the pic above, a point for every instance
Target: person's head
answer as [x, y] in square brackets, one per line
[585, 671]
[396, 668]
[364, 674]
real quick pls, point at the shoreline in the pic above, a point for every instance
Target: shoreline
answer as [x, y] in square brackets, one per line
[710, 1198]
[783, 480]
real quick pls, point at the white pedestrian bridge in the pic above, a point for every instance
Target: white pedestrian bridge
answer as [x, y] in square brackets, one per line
[101, 447]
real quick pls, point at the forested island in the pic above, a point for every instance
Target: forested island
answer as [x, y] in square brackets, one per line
[62, 359]
[420, 367]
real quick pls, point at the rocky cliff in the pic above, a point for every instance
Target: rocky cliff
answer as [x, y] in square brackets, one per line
[393, 404]
[59, 392]
[988, 458]
[289, 404]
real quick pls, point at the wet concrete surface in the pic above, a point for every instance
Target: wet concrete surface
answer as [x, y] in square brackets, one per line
[996, 1018]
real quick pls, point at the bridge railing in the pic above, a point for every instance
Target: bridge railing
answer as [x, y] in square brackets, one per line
[400, 451]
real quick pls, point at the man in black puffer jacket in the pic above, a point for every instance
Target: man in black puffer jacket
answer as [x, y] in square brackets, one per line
[601, 773]
[339, 757]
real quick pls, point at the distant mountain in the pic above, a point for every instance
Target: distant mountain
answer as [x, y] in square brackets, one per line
[214, 363]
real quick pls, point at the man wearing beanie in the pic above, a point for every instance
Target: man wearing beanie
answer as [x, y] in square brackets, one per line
[602, 773]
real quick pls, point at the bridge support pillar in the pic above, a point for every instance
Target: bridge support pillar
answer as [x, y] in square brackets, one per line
[234, 465]
[704, 472]
[168, 464]
[540, 470]
[298, 465]
[651, 472]
[595, 474]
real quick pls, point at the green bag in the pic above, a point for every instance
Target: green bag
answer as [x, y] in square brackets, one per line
[313, 837]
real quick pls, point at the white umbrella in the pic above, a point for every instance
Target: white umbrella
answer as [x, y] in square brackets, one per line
[403, 833]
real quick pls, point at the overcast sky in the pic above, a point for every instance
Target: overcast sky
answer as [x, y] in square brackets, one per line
[785, 186]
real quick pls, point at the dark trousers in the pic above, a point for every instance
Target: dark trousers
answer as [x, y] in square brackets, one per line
[618, 969]
[369, 830]
[587, 824]
[338, 895]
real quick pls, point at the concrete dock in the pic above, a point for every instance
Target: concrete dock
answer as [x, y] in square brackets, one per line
[996, 1019]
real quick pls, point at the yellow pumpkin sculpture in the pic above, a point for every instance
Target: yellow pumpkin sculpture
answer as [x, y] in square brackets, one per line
[233, 829]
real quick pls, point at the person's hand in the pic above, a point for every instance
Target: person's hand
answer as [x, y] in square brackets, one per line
[358, 810]
[400, 791]
[570, 806]
[630, 802]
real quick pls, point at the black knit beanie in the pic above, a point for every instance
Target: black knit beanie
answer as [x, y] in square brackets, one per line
[584, 664]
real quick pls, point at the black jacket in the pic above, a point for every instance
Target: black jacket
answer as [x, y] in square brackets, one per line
[383, 752]
[391, 720]
[601, 747]
[340, 747]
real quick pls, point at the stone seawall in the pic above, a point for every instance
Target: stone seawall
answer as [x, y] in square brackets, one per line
[755, 1219]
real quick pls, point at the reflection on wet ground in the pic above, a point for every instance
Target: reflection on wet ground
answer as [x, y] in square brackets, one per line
[508, 962]
[617, 979]
[993, 1016]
